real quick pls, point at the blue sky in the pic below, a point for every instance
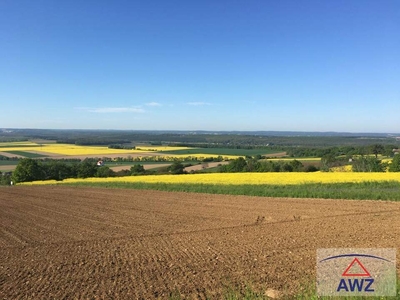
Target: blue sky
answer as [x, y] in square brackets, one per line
[201, 65]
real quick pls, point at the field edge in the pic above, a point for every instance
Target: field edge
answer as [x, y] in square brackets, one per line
[371, 190]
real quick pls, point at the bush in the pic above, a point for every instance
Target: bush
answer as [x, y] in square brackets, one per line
[104, 172]
[5, 178]
[27, 169]
[137, 169]
[311, 168]
[368, 164]
[176, 168]
[395, 165]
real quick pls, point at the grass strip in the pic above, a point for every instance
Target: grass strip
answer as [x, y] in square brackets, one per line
[309, 293]
[386, 190]
[9, 162]
[222, 151]
[26, 154]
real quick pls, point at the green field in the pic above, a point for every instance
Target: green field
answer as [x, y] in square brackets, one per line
[222, 151]
[8, 162]
[18, 145]
[26, 154]
[387, 190]
[308, 292]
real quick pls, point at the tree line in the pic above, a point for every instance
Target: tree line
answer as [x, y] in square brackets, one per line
[372, 164]
[345, 151]
[29, 170]
[359, 164]
[253, 165]
[219, 139]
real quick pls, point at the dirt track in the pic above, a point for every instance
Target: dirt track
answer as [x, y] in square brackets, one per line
[7, 168]
[6, 154]
[145, 166]
[66, 243]
[206, 166]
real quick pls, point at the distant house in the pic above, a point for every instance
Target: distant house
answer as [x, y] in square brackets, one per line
[100, 163]
[396, 151]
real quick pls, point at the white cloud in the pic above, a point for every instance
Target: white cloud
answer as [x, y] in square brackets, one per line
[198, 103]
[104, 110]
[153, 104]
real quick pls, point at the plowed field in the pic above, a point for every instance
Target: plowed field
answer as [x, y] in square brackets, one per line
[87, 243]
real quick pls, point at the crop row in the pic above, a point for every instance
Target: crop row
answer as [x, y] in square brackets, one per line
[284, 178]
[69, 149]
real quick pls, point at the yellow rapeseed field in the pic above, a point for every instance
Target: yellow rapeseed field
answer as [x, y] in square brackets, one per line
[347, 168]
[63, 149]
[245, 178]
[18, 146]
[68, 149]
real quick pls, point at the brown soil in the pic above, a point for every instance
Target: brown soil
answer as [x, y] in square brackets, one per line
[205, 166]
[7, 168]
[146, 167]
[87, 243]
[6, 154]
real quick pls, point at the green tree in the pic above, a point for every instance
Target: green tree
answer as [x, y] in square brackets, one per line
[327, 162]
[376, 149]
[177, 168]
[57, 170]
[27, 170]
[5, 179]
[104, 171]
[258, 157]
[237, 165]
[286, 167]
[137, 169]
[296, 165]
[252, 165]
[87, 169]
[368, 164]
[311, 168]
[389, 150]
[395, 165]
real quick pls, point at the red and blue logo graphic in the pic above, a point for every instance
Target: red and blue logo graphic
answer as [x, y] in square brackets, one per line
[355, 274]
